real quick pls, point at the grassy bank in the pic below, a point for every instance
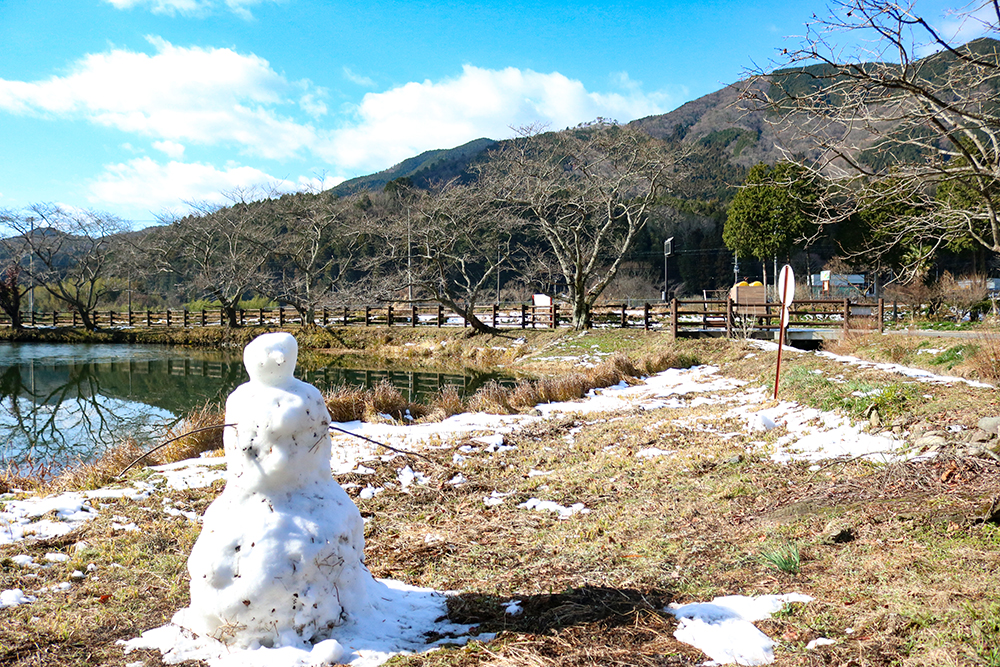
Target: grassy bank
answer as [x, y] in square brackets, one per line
[900, 558]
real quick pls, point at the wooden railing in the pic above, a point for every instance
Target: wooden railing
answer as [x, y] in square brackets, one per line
[684, 317]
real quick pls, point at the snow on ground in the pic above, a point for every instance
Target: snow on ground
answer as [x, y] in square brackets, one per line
[367, 642]
[724, 629]
[808, 434]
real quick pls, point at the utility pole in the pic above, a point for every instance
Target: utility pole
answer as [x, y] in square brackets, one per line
[668, 250]
[409, 260]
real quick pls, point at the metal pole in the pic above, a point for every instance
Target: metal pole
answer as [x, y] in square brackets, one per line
[668, 250]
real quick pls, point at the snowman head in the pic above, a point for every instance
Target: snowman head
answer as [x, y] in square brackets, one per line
[270, 358]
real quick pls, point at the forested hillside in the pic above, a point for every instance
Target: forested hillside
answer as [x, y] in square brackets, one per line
[583, 213]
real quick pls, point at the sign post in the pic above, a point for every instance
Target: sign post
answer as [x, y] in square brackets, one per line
[786, 292]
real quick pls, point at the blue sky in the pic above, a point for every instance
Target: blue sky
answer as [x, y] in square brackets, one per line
[136, 107]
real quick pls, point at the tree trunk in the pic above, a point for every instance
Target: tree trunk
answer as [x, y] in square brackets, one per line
[581, 313]
[231, 313]
[86, 319]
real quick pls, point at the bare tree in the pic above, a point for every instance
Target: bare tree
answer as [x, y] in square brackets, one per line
[587, 192]
[314, 251]
[449, 243]
[70, 253]
[221, 251]
[896, 110]
[11, 292]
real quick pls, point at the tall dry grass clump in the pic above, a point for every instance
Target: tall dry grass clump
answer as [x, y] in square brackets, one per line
[985, 363]
[345, 403]
[348, 403]
[26, 475]
[447, 403]
[492, 398]
[200, 431]
[103, 471]
[497, 399]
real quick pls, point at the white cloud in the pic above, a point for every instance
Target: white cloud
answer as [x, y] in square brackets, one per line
[960, 26]
[312, 105]
[146, 184]
[171, 148]
[399, 123]
[366, 81]
[189, 7]
[319, 183]
[202, 96]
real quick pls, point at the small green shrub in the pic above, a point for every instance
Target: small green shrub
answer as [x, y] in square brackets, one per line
[786, 558]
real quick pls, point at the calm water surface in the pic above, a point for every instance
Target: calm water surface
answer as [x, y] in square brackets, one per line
[62, 403]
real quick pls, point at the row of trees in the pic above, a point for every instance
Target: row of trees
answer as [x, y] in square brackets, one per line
[576, 200]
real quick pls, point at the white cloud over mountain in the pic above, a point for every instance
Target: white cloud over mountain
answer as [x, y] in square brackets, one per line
[231, 104]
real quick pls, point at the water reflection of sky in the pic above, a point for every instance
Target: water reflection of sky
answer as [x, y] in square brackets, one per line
[62, 403]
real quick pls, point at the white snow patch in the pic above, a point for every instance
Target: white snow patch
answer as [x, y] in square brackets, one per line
[13, 598]
[724, 630]
[549, 506]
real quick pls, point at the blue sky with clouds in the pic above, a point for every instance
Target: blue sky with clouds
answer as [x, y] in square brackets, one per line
[138, 106]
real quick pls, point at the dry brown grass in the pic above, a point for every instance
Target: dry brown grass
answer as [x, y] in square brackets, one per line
[200, 431]
[348, 403]
[986, 361]
[447, 402]
[345, 403]
[101, 472]
[572, 386]
[25, 475]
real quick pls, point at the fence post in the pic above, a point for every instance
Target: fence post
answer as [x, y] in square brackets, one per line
[243, 317]
[32, 318]
[645, 316]
[494, 316]
[881, 315]
[130, 318]
[281, 316]
[895, 311]
[55, 318]
[413, 315]
[555, 315]
[624, 316]
[729, 317]
[168, 317]
[347, 315]
[440, 316]
[147, 319]
[388, 315]
[847, 314]
[367, 314]
[202, 320]
[524, 316]
[74, 318]
[673, 317]
[185, 318]
[222, 317]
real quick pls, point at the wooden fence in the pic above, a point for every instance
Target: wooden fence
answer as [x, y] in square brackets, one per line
[684, 317]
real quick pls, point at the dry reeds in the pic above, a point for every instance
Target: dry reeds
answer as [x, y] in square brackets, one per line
[345, 403]
[200, 431]
[497, 399]
[348, 403]
[448, 402]
[103, 471]
[986, 360]
[24, 475]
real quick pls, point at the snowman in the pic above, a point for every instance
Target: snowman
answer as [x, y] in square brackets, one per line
[280, 559]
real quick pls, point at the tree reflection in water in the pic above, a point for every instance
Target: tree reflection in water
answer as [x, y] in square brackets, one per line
[63, 403]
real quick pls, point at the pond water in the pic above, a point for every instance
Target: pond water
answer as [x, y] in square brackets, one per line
[60, 403]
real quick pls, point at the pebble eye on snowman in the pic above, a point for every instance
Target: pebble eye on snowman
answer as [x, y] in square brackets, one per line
[280, 559]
